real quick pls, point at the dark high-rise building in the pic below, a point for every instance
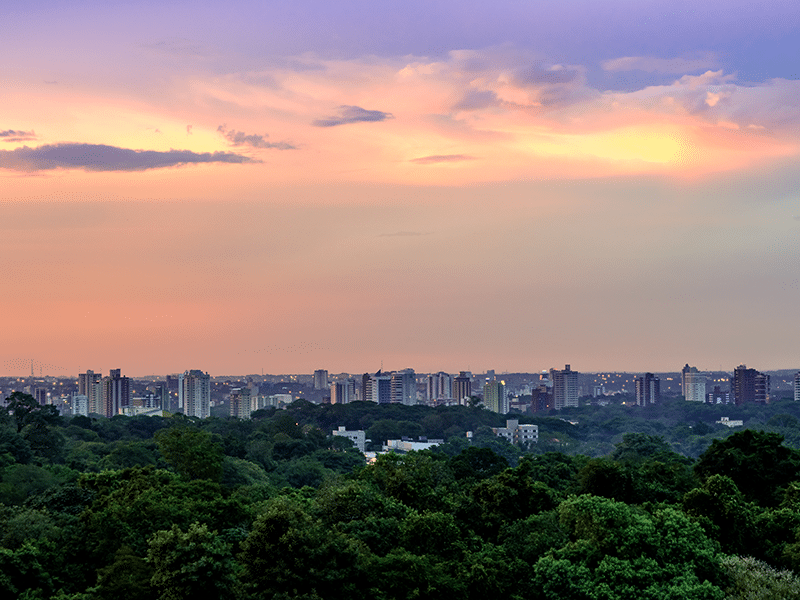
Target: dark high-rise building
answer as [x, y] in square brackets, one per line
[748, 385]
[366, 387]
[462, 387]
[320, 379]
[116, 393]
[648, 389]
[541, 398]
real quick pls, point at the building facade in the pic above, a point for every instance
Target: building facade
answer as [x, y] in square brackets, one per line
[494, 397]
[194, 394]
[321, 379]
[462, 387]
[749, 385]
[116, 393]
[648, 390]
[693, 384]
[240, 403]
[565, 387]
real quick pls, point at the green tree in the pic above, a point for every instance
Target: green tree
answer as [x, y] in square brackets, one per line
[127, 578]
[193, 453]
[758, 462]
[288, 555]
[25, 410]
[618, 552]
[196, 563]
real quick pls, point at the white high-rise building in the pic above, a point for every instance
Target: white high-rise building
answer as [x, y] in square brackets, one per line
[797, 387]
[440, 386]
[694, 384]
[241, 404]
[404, 387]
[194, 394]
[565, 387]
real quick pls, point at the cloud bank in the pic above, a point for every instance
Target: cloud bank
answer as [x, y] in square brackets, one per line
[100, 157]
[353, 114]
[16, 135]
[240, 138]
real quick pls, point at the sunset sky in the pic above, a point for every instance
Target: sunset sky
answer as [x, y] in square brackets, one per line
[290, 186]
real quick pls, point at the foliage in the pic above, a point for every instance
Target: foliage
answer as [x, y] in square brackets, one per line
[191, 564]
[757, 461]
[756, 580]
[191, 452]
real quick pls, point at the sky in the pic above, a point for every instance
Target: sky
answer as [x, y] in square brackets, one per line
[279, 187]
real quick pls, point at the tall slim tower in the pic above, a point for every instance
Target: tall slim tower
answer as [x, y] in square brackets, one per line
[462, 387]
[648, 389]
[404, 387]
[241, 403]
[194, 393]
[116, 393]
[565, 387]
[797, 387]
[494, 397]
[321, 379]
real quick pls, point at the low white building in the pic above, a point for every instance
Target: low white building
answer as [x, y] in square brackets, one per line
[728, 423]
[518, 434]
[408, 446]
[358, 437]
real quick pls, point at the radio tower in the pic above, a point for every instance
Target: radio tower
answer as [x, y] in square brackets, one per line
[32, 374]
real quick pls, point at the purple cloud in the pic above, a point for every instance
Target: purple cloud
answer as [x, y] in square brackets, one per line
[476, 99]
[353, 114]
[239, 138]
[440, 158]
[100, 157]
[16, 135]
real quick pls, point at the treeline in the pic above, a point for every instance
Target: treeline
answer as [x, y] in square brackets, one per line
[276, 507]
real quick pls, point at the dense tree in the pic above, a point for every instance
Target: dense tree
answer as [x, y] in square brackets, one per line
[191, 452]
[757, 461]
[191, 564]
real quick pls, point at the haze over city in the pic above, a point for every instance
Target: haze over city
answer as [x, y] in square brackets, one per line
[284, 186]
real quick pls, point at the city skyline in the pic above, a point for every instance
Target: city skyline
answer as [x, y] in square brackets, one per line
[441, 187]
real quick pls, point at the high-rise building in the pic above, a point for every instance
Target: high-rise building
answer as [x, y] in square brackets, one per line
[321, 379]
[240, 403]
[797, 387]
[565, 387]
[85, 381]
[748, 385]
[693, 384]
[116, 393]
[194, 394]
[494, 397]
[462, 387]
[381, 388]
[440, 387]
[342, 392]
[541, 397]
[404, 387]
[648, 390]
[89, 386]
[80, 405]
